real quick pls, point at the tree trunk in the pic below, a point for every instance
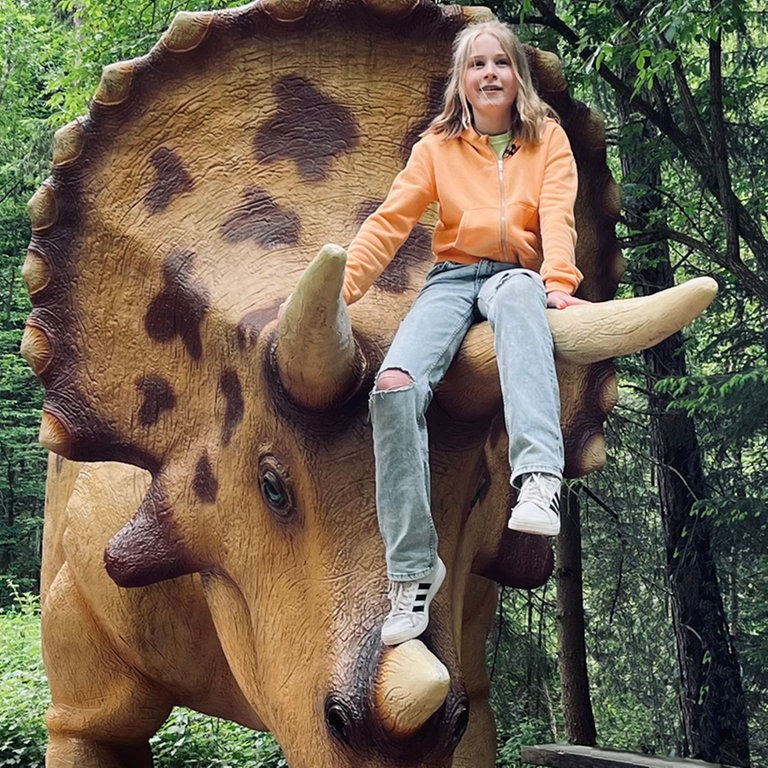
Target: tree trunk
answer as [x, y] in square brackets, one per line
[712, 702]
[572, 657]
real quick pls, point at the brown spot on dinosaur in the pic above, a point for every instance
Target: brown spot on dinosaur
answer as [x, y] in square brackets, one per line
[415, 250]
[158, 396]
[309, 128]
[179, 309]
[204, 483]
[261, 219]
[229, 382]
[171, 178]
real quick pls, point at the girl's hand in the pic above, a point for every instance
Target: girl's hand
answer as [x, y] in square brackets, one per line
[561, 300]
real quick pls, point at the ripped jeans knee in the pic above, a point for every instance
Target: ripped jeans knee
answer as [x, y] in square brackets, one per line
[393, 379]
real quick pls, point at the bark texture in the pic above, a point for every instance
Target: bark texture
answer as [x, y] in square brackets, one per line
[712, 702]
[572, 656]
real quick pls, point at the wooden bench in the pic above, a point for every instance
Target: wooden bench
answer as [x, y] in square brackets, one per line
[573, 756]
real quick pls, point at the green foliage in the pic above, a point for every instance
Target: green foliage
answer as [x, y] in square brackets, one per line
[522, 657]
[187, 740]
[522, 651]
[23, 688]
[101, 32]
[26, 43]
[524, 732]
[738, 400]
[22, 468]
[632, 661]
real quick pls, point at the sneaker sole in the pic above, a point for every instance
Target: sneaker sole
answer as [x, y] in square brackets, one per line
[536, 527]
[402, 637]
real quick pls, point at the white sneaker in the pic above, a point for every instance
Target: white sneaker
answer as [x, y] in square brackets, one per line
[538, 506]
[410, 601]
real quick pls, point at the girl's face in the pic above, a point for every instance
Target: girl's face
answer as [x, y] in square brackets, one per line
[490, 85]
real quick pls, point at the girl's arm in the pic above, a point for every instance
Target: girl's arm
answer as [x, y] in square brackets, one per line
[556, 217]
[388, 227]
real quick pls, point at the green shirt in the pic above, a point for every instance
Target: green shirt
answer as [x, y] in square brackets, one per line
[500, 142]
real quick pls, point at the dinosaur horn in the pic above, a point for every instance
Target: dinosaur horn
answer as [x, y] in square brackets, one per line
[587, 333]
[318, 360]
[411, 685]
[583, 334]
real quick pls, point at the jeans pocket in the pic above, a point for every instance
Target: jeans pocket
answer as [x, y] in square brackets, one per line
[442, 266]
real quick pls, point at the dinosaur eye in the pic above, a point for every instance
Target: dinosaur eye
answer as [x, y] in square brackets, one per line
[274, 487]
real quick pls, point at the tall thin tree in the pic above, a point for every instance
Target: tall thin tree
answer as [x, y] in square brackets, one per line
[572, 652]
[712, 702]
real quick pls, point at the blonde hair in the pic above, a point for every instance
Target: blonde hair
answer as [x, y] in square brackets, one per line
[529, 112]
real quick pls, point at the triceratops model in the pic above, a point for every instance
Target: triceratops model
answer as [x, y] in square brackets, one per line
[225, 555]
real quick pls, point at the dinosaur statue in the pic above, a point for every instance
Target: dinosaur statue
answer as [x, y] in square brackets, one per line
[210, 536]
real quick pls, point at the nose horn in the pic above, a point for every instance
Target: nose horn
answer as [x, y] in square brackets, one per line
[409, 709]
[411, 686]
[414, 701]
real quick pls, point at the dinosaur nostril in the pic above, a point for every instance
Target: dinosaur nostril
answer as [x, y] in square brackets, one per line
[338, 717]
[460, 723]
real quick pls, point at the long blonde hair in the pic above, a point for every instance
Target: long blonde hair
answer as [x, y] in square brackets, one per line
[529, 112]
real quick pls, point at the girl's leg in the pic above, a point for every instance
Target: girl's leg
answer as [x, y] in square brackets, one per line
[421, 352]
[423, 348]
[515, 303]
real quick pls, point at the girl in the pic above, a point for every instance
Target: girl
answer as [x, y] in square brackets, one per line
[501, 170]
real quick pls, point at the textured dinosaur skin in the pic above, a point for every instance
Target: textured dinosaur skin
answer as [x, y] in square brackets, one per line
[218, 548]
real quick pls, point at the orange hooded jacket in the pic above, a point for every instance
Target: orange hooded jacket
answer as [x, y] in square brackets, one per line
[516, 209]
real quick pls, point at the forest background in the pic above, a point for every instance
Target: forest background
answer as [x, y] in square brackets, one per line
[652, 635]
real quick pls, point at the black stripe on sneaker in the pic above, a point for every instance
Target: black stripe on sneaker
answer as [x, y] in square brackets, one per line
[420, 598]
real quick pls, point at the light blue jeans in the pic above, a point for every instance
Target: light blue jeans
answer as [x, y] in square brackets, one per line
[454, 297]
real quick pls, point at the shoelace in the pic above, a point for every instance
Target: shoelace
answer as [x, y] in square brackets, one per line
[537, 490]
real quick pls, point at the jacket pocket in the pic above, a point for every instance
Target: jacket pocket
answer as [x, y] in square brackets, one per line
[523, 237]
[521, 217]
[479, 232]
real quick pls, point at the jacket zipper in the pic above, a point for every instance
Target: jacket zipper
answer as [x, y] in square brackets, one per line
[503, 210]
